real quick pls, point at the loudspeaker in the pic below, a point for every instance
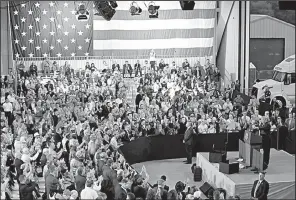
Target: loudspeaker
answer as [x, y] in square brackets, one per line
[228, 168]
[216, 157]
[206, 188]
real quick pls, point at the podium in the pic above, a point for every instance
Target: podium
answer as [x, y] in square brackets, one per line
[251, 141]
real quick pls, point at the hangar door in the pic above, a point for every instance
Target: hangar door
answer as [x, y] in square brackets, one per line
[265, 53]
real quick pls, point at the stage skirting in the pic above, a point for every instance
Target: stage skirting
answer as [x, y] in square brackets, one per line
[280, 175]
[171, 146]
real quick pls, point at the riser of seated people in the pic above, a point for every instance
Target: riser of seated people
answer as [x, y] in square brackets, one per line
[101, 63]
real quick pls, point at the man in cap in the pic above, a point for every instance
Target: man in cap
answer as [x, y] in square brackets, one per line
[260, 188]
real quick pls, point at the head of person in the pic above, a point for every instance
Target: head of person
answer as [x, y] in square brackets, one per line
[89, 183]
[130, 196]
[216, 195]
[261, 176]
[179, 187]
[22, 179]
[266, 114]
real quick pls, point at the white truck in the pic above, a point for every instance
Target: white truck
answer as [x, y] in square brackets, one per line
[282, 84]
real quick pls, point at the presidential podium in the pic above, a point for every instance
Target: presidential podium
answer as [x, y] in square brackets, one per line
[251, 142]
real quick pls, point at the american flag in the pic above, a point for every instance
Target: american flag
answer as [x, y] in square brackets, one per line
[50, 29]
[176, 32]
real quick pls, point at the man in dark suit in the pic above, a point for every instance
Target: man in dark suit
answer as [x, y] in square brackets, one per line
[264, 127]
[18, 163]
[127, 68]
[138, 69]
[115, 66]
[282, 134]
[188, 141]
[260, 188]
[185, 65]
[80, 180]
[120, 192]
[290, 122]
[52, 184]
[139, 98]
[33, 69]
[290, 109]
[26, 189]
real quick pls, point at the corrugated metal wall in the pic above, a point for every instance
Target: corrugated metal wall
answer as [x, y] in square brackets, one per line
[269, 28]
[6, 48]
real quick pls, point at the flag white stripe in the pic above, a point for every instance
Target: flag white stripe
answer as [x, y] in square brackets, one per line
[166, 5]
[153, 44]
[101, 25]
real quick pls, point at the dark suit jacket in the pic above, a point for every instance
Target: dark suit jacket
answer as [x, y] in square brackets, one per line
[137, 66]
[120, 193]
[80, 183]
[265, 129]
[115, 66]
[17, 164]
[108, 173]
[290, 124]
[51, 184]
[127, 67]
[288, 110]
[188, 137]
[26, 191]
[262, 190]
[138, 99]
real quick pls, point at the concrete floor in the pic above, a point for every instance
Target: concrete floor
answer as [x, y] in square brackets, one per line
[174, 169]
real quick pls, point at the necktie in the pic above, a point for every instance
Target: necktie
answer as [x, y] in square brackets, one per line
[257, 186]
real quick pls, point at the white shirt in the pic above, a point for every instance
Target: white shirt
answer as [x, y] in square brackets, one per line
[7, 107]
[155, 87]
[11, 99]
[113, 142]
[88, 193]
[203, 128]
[152, 56]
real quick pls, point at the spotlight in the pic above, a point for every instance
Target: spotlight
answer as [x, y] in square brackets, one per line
[82, 14]
[106, 9]
[135, 9]
[153, 10]
[187, 5]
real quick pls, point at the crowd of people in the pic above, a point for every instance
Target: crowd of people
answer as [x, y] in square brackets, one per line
[68, 130]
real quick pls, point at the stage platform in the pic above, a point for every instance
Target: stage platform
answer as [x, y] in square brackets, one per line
[280, 175]
[174, 169]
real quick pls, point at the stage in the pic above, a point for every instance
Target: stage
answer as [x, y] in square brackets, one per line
[280, 175]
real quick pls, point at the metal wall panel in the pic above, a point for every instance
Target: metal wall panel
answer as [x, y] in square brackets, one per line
[272, 28]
